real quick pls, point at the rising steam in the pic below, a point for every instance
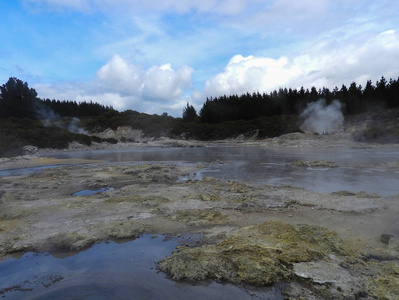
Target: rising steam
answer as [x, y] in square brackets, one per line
[50, 118]
[322, 118]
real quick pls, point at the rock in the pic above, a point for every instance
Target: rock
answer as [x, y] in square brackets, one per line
[122, 133]
[30, 150]
[11, 248]
[327, 272]
[385, 237]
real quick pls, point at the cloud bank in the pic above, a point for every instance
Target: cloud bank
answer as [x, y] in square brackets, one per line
[321, 66]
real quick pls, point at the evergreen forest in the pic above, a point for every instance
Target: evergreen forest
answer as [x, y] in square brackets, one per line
[355, 100]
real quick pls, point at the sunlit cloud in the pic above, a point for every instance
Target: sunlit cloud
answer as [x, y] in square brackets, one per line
[158, 83]
[320, 66]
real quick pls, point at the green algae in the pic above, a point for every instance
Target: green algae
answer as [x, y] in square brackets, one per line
[314, 164]
[312, 256]
[344, 193]
[81, 202]
[124, 229]
[151, 200]
[257, 255]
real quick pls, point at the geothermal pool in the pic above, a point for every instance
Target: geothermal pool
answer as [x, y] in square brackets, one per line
[127, 270]
[358, 169]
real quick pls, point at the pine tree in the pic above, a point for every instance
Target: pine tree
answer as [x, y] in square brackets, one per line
[189, 114]
[17, 99]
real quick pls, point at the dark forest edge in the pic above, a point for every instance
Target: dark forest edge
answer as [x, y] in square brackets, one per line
[26, 119]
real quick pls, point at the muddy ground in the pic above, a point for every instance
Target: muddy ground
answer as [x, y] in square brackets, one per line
[341, 245]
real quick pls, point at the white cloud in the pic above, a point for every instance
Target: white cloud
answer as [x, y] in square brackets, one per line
[124, 85]
[324, 64]
[120, 76]
[163, 83]
[243, 74]
[158, 83]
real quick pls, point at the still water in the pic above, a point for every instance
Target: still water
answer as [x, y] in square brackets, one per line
[111, 271]
[358, 168]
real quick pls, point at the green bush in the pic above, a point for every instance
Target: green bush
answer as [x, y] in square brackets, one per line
[268, 127]
[378, 134]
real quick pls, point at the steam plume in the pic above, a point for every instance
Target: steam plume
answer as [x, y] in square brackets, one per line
[322, 118]
[50, 118]
[74, 126]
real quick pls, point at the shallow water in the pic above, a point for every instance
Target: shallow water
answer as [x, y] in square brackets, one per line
[25, 171]
[110, 271]
[92, 192]
[356, 171]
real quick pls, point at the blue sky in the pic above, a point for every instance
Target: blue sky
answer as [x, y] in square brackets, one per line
[154, 56]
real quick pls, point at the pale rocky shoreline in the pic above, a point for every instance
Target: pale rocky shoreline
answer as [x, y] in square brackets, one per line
[253, 234]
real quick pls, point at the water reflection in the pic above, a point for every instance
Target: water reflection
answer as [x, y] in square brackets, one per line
[110, 271]
[268, 165]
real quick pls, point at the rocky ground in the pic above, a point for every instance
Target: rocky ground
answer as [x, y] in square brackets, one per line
[341, 245]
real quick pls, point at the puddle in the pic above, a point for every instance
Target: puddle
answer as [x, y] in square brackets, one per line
[111, 271]
[92, 192]
[26, 171]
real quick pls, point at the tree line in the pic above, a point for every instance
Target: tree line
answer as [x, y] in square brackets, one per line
[74, 109]
[355, 100]
[17, 100]
[22, 114]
